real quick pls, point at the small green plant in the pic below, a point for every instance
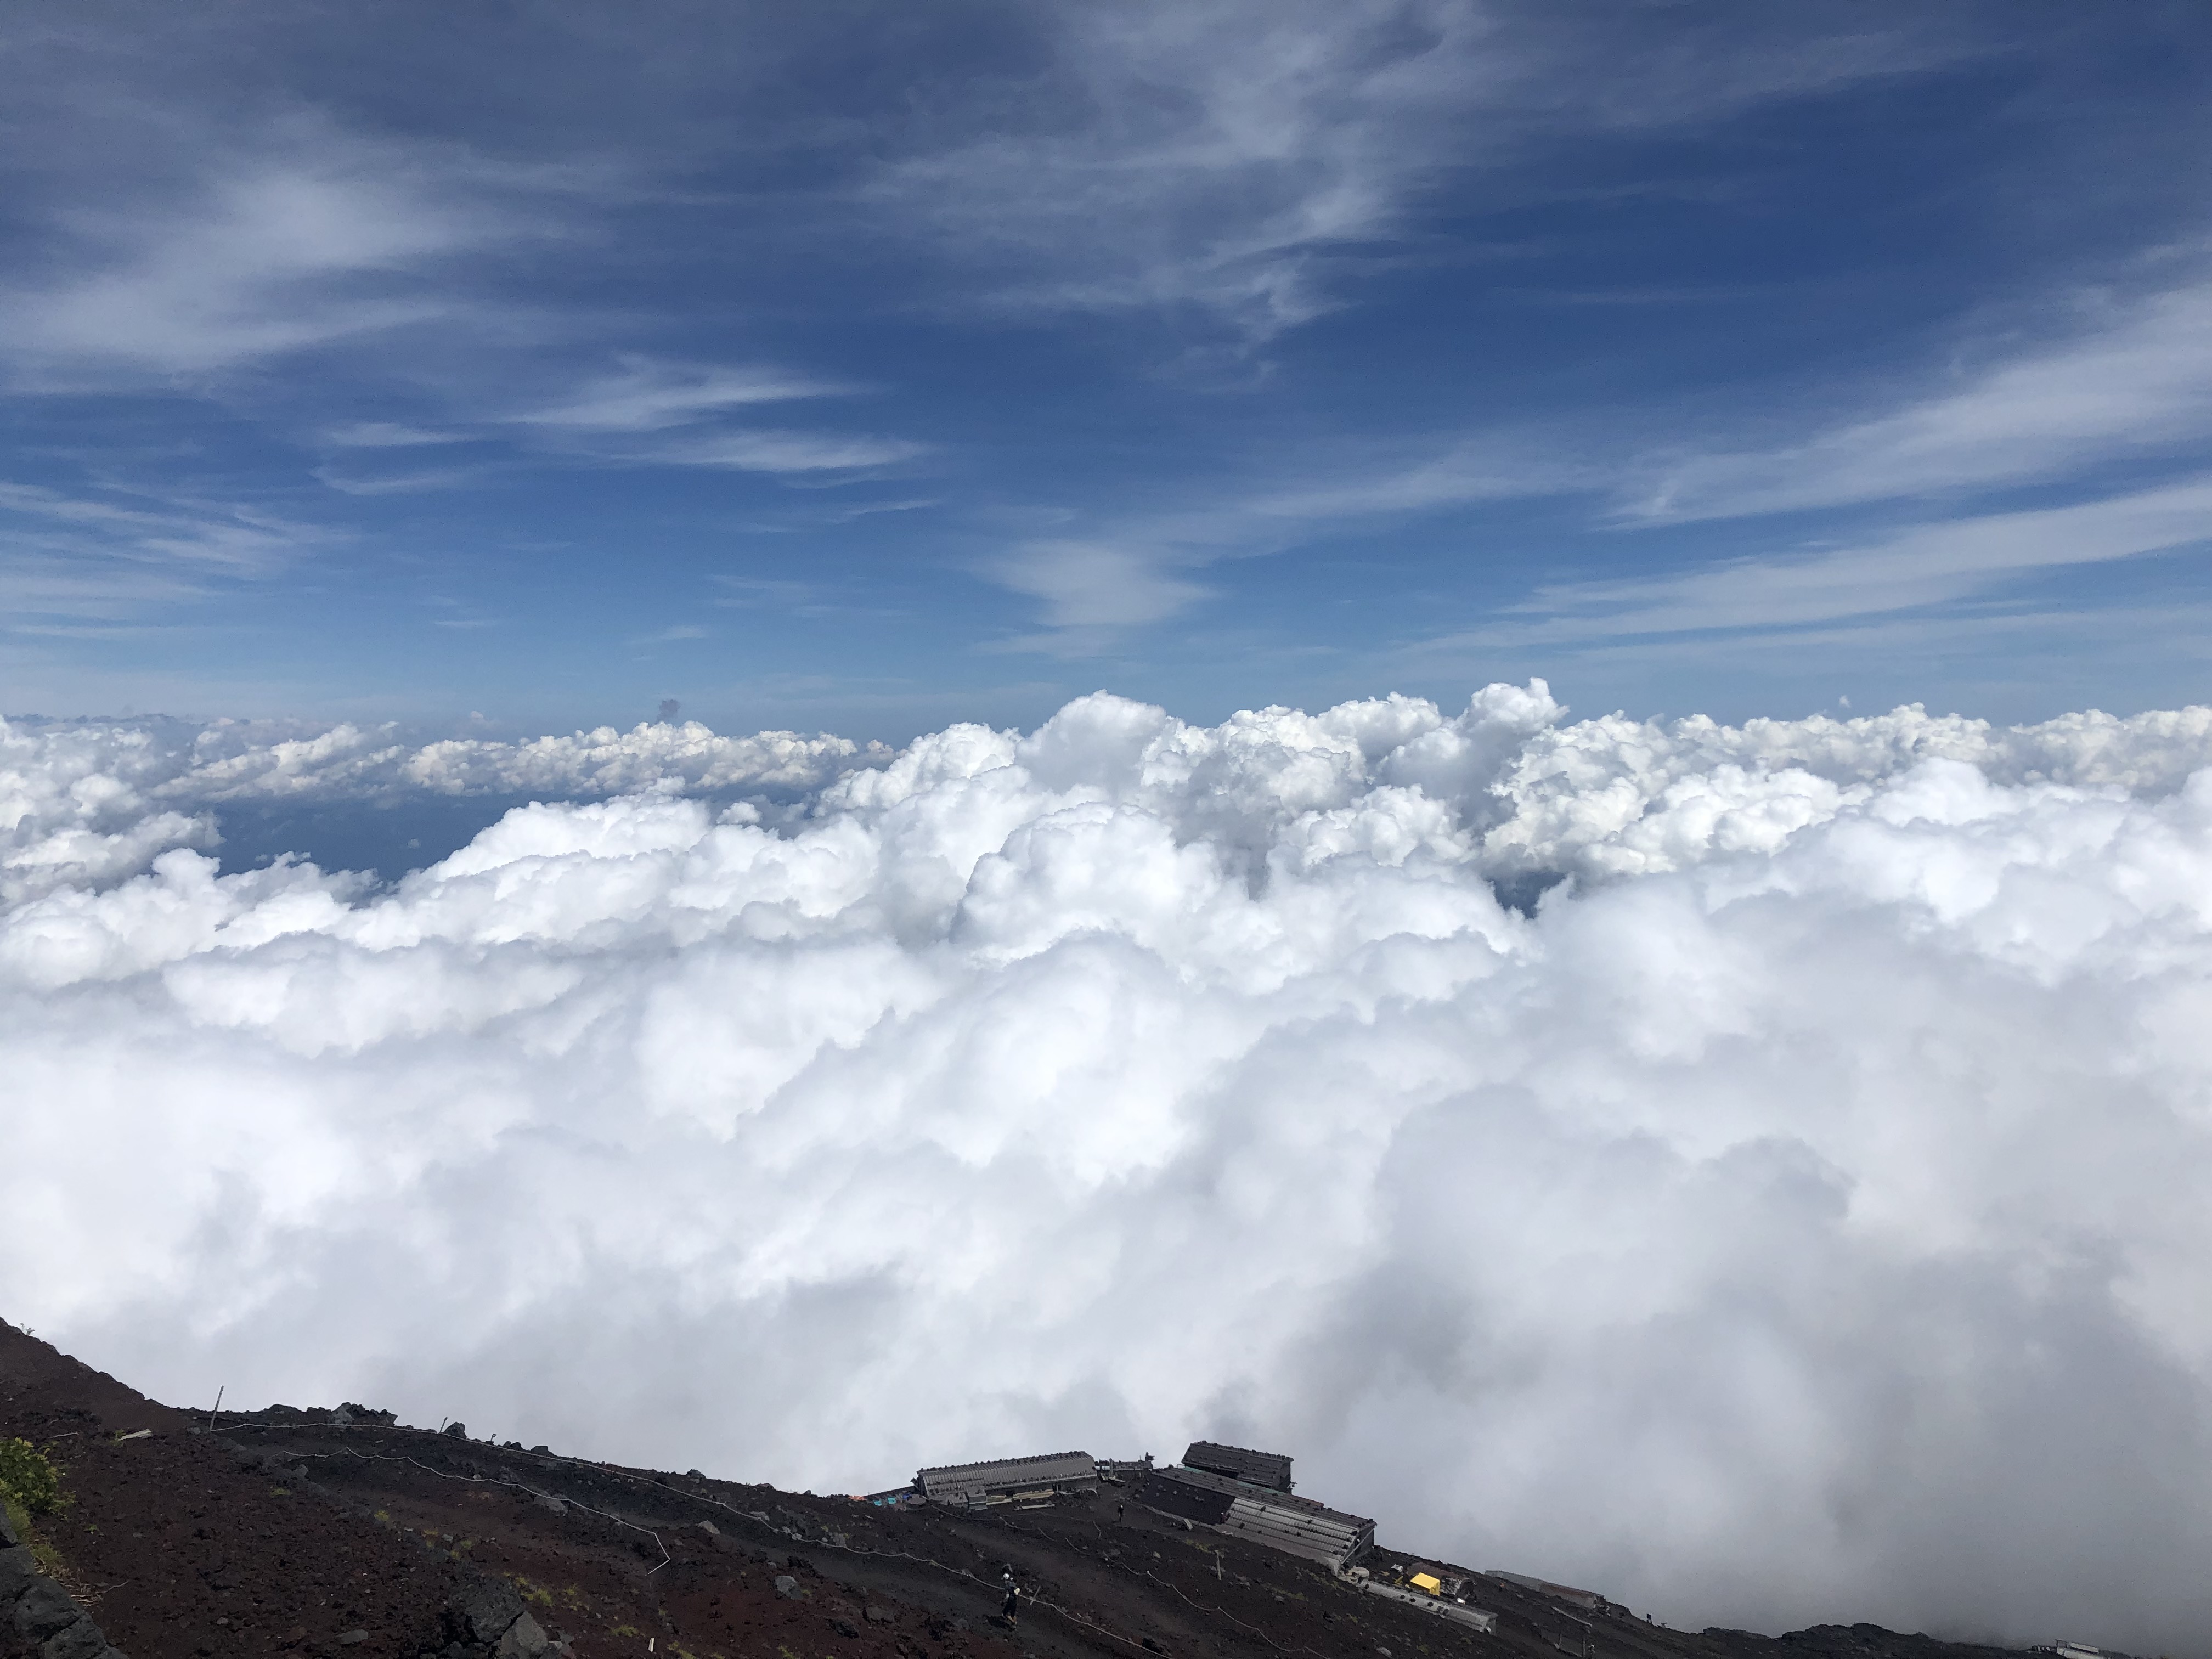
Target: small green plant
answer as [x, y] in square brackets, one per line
[28, 1480]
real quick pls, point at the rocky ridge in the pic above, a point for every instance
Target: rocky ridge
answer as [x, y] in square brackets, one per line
[342, 1534]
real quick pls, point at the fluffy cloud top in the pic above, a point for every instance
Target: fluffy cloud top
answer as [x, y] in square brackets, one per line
[86, 802]
[1798, 1216]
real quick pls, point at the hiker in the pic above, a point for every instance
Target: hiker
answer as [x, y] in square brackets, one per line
[1013, 1610]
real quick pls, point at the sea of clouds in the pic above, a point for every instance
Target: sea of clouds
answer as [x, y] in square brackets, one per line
[1802, 1211]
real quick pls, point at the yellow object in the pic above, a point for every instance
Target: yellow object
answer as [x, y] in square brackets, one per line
[1421, 1581]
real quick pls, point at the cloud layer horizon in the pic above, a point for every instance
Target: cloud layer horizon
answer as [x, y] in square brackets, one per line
[1795, 1214]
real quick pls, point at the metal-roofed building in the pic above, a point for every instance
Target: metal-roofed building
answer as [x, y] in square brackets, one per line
[1258, 1469]
[1297, 1526]
[955, 1483]
[1436, 1606]
[1589, 1601]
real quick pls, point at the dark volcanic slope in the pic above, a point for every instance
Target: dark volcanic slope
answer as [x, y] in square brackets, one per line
[286, 1531]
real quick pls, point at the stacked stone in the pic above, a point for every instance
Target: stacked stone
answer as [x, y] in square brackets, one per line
[38, 1616]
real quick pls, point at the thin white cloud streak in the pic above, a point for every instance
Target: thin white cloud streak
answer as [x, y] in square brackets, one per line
[1491, 468]
[389, 435]
[1142, 568]
[324, 240]
[649, 396]
[781, 452]
[1220, 158]
[1928, 565]
[652, 412]
[1725, 1230]
[2135, 382]
[658, 413]
[401, 483]
[1213, 151]
[232, 539]
[774, 450]
[117, 555]
[2137, 386]
[320, 239]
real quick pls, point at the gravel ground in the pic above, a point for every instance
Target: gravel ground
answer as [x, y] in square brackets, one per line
[291, 1532]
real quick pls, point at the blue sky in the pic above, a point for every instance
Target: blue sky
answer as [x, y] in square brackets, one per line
[868, 366]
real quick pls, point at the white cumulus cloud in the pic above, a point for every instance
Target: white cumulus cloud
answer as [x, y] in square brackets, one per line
[1796, 1215]
[88, 803]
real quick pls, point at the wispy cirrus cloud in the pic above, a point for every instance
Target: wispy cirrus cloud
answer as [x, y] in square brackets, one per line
[1238, 161]
[1940, 563]
[2130, 379]
[648, 395]
[653, 412]
[296, 237]
[108, 556]
[422, 481]
[213, 537]
[2131, 382]
[648, 413]
[1125, 570]
[783, 452]
[777, 255]
[388, 435]
[305, 238]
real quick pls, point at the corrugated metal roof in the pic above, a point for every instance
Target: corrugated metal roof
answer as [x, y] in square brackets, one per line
[1246, 1489]
[1581, 1598]
[1090, 1462]
[1297, 1526]
[1159, 1490]
[1240, 1463]
[1336, 1540]
[1006, 1474]
[1457, 1612]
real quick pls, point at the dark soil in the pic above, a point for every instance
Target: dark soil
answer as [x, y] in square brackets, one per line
[285, 1531]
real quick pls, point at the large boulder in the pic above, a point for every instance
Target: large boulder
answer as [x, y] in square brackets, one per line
[485, 1610]
[18, 1572]
[43, 1610]
[525, 1638]
[79, 1639]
